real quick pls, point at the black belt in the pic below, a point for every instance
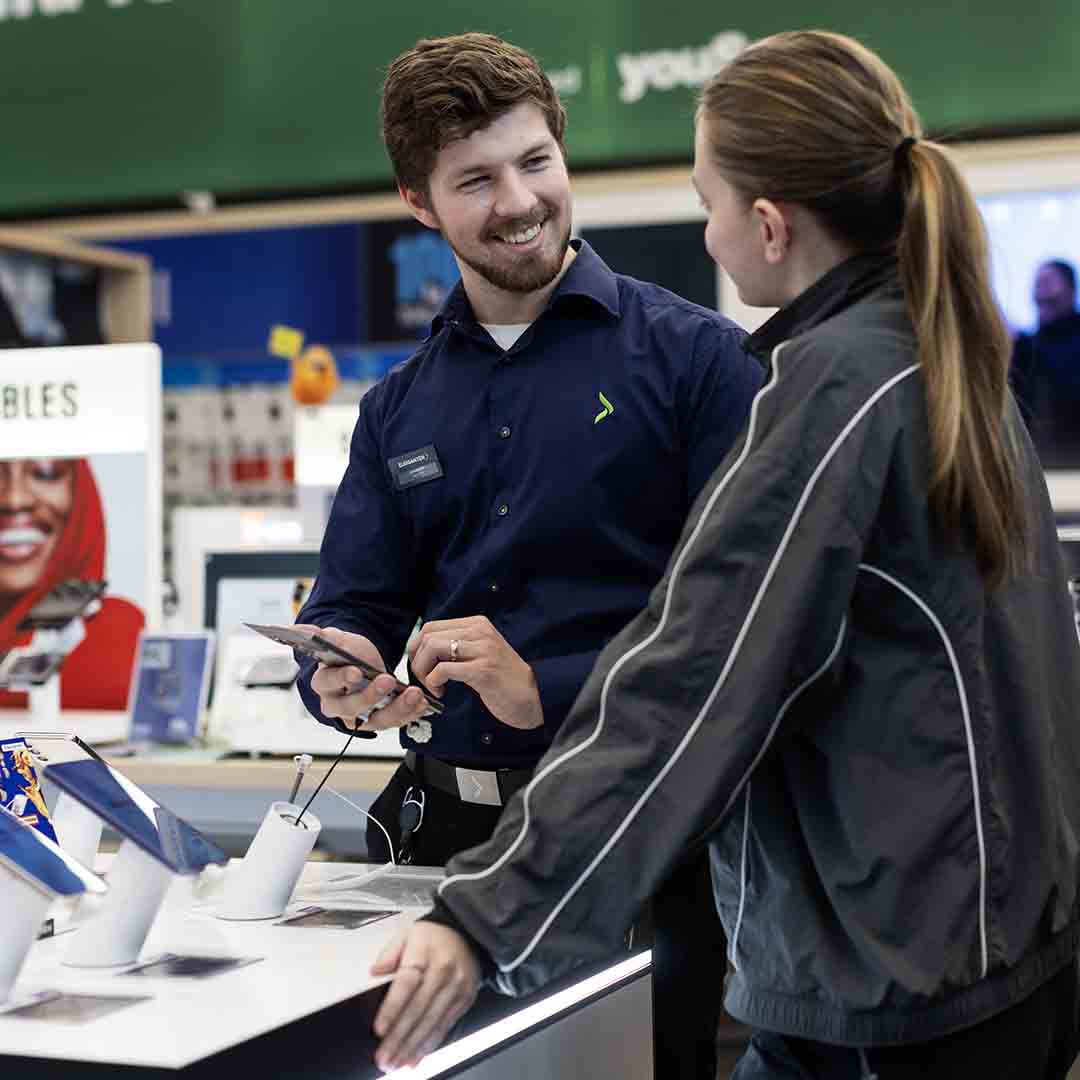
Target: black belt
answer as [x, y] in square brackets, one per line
[480, 786]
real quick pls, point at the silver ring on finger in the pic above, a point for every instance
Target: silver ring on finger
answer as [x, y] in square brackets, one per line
[455, 645]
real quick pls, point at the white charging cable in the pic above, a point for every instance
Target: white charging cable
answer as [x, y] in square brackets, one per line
[370, 817]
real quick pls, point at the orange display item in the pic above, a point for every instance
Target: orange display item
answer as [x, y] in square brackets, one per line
[314, 376]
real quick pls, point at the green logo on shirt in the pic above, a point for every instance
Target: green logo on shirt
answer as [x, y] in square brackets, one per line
[606, 411]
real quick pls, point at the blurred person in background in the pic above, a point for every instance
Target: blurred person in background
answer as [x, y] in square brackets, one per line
[858, 681]
[1046, 368]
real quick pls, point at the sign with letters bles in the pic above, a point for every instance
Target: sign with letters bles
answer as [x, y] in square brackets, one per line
[80, 439]
[106, 101]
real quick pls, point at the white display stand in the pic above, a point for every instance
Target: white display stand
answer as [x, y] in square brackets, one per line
[262, 884]
[115, 934]
[78, 830]
[24, 907]
[45, 707]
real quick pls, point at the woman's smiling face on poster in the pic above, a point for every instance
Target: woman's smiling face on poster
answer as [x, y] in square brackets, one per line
[35, 502]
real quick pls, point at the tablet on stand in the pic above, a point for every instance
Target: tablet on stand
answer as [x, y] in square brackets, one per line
[156, 844]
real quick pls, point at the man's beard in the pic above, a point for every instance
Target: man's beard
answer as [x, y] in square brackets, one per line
[526, 276]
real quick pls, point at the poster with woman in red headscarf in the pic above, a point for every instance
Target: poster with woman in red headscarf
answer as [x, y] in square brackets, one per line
[52, 530]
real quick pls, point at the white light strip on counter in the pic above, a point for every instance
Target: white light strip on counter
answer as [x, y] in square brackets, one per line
[470, 1046]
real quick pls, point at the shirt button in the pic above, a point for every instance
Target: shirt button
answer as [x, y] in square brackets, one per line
[487, 738]
[504, 431]
[493, 587]
[503, 510]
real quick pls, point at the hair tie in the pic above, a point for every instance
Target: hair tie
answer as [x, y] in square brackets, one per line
[902, 152]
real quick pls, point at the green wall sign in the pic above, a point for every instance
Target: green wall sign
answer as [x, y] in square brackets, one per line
[107, 102]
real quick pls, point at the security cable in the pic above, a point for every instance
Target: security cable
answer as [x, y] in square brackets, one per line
[326, 776]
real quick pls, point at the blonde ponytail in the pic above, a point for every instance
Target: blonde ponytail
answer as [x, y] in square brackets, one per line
[964, 349]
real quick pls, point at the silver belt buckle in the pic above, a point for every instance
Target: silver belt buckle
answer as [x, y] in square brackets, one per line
[476, 786]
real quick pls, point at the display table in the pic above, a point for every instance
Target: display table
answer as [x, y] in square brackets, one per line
[305, 1006]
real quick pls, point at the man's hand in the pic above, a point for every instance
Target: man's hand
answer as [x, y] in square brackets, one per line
[436, 979]
[346, 694]
[472, 651]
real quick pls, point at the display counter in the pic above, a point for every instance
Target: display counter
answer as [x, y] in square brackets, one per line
[304, 1006]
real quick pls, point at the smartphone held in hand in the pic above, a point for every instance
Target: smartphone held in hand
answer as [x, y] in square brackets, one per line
[313, 644]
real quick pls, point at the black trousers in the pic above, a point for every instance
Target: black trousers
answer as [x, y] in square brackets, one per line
[687, 940]
[449, 825]
[1035, 1039]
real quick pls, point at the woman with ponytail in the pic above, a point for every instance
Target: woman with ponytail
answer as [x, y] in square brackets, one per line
[858, 681]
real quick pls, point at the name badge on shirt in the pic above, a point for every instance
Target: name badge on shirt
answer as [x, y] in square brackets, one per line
[415, 467]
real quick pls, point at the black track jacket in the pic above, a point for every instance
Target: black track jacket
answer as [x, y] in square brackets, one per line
[883, 754]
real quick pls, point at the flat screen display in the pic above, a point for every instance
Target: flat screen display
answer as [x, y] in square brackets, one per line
[134, 815]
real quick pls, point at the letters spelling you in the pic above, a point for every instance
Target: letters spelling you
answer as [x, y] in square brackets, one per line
[45, 401]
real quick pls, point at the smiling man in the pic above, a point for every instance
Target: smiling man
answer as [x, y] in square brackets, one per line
[519, 484]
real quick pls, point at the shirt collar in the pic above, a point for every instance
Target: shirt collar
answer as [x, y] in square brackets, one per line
[838, 289]
[588, 277]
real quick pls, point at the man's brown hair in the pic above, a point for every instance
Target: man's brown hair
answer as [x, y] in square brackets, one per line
[444, 89]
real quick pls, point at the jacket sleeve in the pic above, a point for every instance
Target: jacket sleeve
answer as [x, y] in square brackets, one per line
[685, 702]
[367, 583]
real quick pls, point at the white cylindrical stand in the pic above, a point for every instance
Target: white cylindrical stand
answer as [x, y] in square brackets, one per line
[262, 884]
[78, 829]
[44, 702]
[115, 934]
[24, 907]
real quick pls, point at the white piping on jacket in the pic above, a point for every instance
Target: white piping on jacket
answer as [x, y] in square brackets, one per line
[969, 735]
[733, 945]
[721, 679]
[810, 680]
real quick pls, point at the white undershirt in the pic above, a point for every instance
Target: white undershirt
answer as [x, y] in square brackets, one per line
[505, 334]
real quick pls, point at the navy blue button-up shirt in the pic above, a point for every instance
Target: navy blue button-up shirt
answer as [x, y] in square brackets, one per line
[544, 487]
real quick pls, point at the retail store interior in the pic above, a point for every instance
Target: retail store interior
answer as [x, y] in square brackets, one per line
[205, 266]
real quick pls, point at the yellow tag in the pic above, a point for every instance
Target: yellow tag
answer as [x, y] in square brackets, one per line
[285, 341]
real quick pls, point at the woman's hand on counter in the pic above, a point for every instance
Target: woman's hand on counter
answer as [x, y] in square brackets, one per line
[436, 979]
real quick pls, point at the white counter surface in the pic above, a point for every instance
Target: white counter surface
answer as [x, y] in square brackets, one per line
[186, 1020]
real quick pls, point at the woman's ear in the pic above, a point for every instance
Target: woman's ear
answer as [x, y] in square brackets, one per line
[774, 228]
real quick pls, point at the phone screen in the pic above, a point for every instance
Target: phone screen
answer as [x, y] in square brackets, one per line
[37, 858]
[134, 815]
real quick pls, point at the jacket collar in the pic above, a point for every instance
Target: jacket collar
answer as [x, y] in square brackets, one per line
[588, 278]
[838, 289]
